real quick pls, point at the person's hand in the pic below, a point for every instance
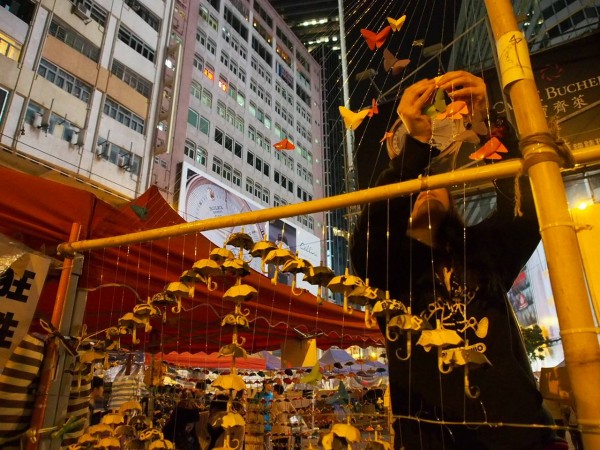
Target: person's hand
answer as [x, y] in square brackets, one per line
[410, 109]
[465, 86]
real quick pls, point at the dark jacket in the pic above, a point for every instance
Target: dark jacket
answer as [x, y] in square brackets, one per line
[467, 276]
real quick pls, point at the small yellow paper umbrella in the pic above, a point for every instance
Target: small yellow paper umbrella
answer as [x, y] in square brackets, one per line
[240, 240]
[112, 419]
[228, 382]
[221, 254]
[208, 268]
[236, 267]
[469, 356]
[109, 443]
[191, 277]
[87, 439]
[346, 431]
[161, 443]
[277, 258]
[239, 293]
[130, 406]
[180, 290]
[319, 276]
[261, 249]
[130, 323]
[232, 419]
[101, 429]
[295, 266]
[345, 284]
[405, 323]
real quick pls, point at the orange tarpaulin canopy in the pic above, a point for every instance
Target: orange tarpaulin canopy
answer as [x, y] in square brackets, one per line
[211, 361]
[39, 213]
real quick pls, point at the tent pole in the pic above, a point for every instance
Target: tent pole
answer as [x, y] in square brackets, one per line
[476, 174]
[578, 331]
[51, 356]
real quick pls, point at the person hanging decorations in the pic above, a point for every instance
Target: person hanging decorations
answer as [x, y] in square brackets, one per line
[446, 284]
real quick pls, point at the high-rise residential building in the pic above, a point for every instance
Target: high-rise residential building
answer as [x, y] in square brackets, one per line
[79, 83]
[545, 23]
[238, 83]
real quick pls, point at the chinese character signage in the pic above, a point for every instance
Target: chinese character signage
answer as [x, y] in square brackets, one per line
[22, 276]
[568, 82]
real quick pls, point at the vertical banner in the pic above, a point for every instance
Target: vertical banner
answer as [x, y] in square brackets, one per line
[22, 276]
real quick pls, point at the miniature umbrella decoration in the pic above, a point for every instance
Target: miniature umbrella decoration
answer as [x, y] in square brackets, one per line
[439, 337]
[284, 144]
[208, 268]
[100, 429]
[314, 376]
[232, 419]
[408, 323]
[110, 443]
[277, 258]
[240, 293]
[164, 298]
[345, 284]
[228, 382]
[346, 431]
[237, 317]
[236, 267]
[469, 356]
[320, 276]
[180, 290]
[365, 295]
[130, 406]
[161, 443]
[295, 266]
[221, 254]
[191, 277]
[240, 240]
[130, 323]
[261, 249]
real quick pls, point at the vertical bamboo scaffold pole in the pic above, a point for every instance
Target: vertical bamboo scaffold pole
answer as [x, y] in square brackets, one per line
[578, 331]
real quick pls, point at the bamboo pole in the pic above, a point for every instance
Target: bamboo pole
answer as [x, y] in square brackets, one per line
[476, 174]
[578, 331]
[51, 356]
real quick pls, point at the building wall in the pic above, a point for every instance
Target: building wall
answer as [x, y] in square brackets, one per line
[233, 104]
[76, 72]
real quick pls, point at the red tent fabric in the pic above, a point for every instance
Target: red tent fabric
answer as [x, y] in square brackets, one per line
[40, 213]
[212, 361]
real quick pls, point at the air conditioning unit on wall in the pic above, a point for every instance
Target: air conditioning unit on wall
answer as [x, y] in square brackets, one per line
[82, 11]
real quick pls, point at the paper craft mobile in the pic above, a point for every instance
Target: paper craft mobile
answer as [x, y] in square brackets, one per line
[375, 40]
[489, 150]
[391, 63]
[284, 144]
[353, 119]
[396, 24]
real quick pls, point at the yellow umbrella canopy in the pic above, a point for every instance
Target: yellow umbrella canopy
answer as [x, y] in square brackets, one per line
[99, 430]
[161, 443]
[469, 354]
[345, 284]
[261, 249]
[87, 439]
[233, 349]
[112, 419]
[146, 310]
[130, 323]
[130, 406]
[231, 381]
[232, 419]
[277, 258]
[319, 276]
[208, 268]
[240, 240]
[109, 443]
[164, 298]
[347, 431]
[221, 254]
[191, 277]
[295, 266]
[125, 431]
[236, 267]
[240, 292]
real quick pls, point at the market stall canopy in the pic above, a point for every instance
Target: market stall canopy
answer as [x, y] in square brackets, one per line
[336, 355]
[210, 361]
[40, 213]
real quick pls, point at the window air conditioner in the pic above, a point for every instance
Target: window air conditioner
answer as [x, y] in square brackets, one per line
[101, 151]
[74, 139]
[37, 120]
[82, 11]
[123, 162]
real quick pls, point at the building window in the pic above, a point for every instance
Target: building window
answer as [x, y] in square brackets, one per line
[198, 62]
[207, 98]
[133, 79]
[74, 40]
[201, 156]
[9, 47]
[227, 172]
[146, 15]
[136, 43]
[237, 178]
[189, 149]
[250, 185]
[217, 165]
[65, 81]
[124, 116]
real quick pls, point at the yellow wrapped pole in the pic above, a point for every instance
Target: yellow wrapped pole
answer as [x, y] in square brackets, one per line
[578, 331]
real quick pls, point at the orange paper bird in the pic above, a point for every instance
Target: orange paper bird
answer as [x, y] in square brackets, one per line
[454, 111]
[387, 135]
[396, 24]
[375, 40]
[390, 62]
[374, 108]
[284, 145]
[353, 119]
[489, 150]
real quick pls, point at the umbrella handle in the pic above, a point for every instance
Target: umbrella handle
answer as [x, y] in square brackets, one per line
[441, 362]
[294, 291]
[470, 391]
[408, 348]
